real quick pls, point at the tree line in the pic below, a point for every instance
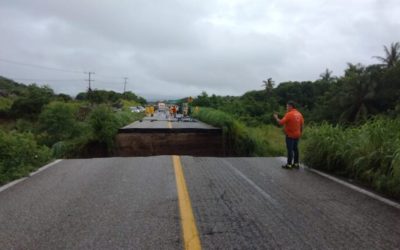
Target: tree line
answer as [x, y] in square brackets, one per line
[362, 92]
[26, 101]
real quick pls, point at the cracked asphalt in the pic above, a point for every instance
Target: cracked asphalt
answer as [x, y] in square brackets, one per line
[238, 203]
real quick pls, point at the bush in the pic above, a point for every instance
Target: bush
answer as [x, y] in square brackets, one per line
[58, 122]
[369, 153]
[31, 103]
[19, 155]
[5, 105]
[96, 135]
[104, 123]
[23, 125]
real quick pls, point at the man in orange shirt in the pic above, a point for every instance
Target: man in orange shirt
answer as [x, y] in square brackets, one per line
[174, 110]
[293, 123]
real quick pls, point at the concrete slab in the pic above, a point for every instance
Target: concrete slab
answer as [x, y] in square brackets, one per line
[160, 136]
[160, 122]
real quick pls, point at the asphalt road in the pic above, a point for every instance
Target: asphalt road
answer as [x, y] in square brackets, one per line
[111, 203]
[238, 203]
[161, 121]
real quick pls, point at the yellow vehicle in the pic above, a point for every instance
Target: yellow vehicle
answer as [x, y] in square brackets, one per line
[149, 110]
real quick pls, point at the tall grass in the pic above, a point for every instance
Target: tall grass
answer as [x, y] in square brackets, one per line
[369, 153]
[241, 140]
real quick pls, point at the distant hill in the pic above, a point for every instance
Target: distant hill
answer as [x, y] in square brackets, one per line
[9, 87]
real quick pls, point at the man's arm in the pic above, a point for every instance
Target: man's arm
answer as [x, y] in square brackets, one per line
[276, 118]
[279, 121]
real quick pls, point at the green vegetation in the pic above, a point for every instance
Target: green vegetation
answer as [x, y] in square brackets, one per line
[241, 139]
[38, 125]
[105, 123]
[57, 122]
[369, 153]
[5, 105]
[110, 97]
[30, 103]
[95, 136]
[19, 155]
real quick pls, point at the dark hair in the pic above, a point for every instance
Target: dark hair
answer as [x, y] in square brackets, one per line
[291, 103]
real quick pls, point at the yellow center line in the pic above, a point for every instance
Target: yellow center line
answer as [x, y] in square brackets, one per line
[188, 223]
[169, 124]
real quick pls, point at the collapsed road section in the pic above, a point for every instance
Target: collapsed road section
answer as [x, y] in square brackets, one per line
[161, 136]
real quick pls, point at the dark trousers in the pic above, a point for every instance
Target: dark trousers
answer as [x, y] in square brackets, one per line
[292, 150]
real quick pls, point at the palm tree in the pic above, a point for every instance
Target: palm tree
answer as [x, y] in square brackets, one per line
[392, 55]
[268, 84]
[358, 96]
[327, 76]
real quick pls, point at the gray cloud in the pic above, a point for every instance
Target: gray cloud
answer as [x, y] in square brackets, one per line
[178, 48]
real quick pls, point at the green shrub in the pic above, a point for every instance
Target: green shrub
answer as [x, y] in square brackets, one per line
[96, 134]
[19, 155]
[24, 125]
[30, 104]
[5, 105]
[58, 122]
[104, 123]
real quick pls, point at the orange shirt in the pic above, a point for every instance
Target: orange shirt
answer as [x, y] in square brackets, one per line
[292, 121]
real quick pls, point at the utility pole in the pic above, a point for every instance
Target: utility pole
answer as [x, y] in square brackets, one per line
[90, 80]
[126, 79]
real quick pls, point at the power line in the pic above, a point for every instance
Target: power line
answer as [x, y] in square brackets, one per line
[39, 66]
[89, 80]
[43, 80]
[108, 76]
[107, 82]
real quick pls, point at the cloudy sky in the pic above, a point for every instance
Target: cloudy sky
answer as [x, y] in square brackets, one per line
[176, 48]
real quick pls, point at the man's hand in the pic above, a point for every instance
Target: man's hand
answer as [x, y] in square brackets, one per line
[277, 118]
